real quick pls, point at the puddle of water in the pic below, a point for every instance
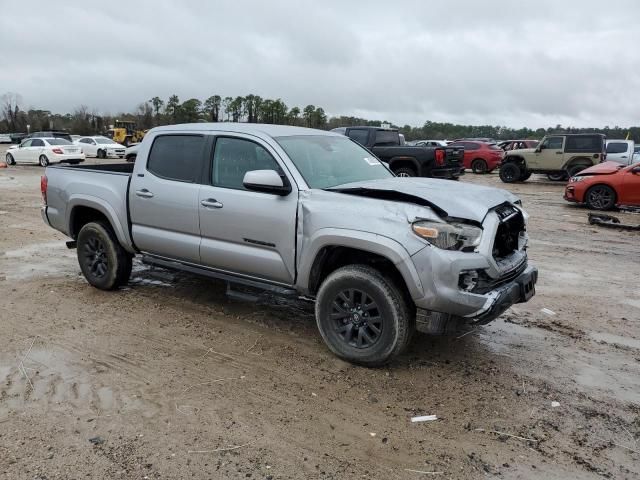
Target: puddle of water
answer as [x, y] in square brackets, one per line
[38, 260]
[615, 339]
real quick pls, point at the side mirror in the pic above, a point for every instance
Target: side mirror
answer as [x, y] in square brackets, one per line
[266, 181]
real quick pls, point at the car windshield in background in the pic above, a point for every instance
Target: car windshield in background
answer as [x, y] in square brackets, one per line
[58, 141]
[328, 161]
[103, 140]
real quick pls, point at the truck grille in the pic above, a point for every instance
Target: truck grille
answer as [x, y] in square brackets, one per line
[509, 231]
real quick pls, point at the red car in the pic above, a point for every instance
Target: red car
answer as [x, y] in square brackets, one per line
[605, 185]
[481, 157]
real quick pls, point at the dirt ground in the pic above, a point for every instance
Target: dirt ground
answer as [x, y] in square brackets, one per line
[170, 378]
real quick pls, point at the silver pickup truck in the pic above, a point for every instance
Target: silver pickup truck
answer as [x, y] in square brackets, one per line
[306, 213]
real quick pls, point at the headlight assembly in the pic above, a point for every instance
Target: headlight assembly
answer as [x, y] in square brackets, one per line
[448, 236]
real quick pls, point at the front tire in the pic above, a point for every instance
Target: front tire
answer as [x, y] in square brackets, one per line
[10, 160]
[510, 173]
[600, 197]
[103, 261]
[479, 166]
[101, 154]
[405, 172]
[363, 316]
[43, 161]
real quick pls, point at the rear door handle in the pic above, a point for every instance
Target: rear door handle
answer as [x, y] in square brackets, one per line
[559, 153]
[144, 193]
[211, 203]
[624, 156]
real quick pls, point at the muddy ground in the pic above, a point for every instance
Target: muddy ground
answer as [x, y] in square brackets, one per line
[169, 378]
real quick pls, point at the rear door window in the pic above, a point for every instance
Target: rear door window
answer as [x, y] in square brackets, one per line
[359, 135]
[177, 157]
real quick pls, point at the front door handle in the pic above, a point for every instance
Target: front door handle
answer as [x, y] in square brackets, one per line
[559, 153]
[144, 193]
[624, 156]
[211, 203]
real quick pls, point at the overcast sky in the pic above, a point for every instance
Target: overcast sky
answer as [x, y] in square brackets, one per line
[515, 63]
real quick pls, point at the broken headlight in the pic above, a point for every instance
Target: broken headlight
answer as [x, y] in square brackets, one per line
[580, 178]
[448, 236]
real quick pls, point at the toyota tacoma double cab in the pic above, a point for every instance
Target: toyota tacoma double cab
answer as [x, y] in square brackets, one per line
[408, 160]
[558, 156]
[305, 213]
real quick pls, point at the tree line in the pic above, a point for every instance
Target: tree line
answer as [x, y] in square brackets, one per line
[255, 109]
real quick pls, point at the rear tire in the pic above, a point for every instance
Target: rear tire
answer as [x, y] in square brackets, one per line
[600, 197]
[43, 161]
[510, 173]
[103, 261]
[405, 172]
[363, 316]
[479, 166]
[10, 160]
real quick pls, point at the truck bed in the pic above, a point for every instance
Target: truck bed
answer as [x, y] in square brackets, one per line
[119, 168]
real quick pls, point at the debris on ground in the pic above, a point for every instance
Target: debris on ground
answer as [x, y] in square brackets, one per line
[424, 418]
[97, 440]
[610, 221]
[555, 404]
[546, 311]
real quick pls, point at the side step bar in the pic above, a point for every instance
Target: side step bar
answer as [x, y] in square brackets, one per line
[219, 275]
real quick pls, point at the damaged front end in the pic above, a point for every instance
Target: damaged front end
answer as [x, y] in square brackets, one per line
[474, 288]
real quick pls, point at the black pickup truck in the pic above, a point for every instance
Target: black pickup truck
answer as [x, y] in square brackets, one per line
[407, 160]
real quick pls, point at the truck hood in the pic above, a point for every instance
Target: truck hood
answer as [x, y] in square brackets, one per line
[447, 197]
[605, 168]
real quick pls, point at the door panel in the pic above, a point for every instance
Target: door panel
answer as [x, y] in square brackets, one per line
[551, 156]
[246, 232]
[630, 190]
[164, 211]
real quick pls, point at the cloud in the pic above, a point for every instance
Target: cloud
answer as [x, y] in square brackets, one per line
[501, 62]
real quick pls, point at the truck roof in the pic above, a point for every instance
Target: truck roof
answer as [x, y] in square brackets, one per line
[251, 128]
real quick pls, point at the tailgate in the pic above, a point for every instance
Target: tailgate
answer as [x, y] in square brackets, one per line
[453, 155]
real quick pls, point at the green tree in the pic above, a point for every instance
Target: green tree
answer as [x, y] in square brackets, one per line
[212, 107]
[190, 110]
[226, 105]
[307, 114]
[173, 108]
[293, 116]
[157, 103]
[237, 107]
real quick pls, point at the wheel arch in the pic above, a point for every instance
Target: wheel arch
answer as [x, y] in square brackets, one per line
[84, 209]
[404, 161]
[333, 249]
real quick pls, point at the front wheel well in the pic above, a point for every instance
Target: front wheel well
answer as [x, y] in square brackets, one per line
[81, 215]
[331, 258]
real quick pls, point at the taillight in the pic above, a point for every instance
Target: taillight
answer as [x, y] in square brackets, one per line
[440, 157]
[58, 151]
[43, 188]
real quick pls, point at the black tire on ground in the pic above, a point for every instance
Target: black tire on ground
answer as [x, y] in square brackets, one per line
[131, 158]
[101, 154]
[10, 160]
[525, 176]
[405, 172]
[479, 166]
[600, 197]
[363, 316]
[510, 173]
[557, 177]
[43, 161]
[573, 170]
[103, 261]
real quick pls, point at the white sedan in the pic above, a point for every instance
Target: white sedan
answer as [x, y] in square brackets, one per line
[44, 151]
[5, 138]
[101, 147]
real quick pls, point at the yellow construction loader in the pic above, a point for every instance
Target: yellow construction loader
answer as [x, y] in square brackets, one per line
[125, 132]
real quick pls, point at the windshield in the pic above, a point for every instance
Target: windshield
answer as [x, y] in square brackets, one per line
[103, 140]
[327, 161]
[58, 141]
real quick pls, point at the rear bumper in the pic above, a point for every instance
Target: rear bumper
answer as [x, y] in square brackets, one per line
[448, 172]
[45, 218]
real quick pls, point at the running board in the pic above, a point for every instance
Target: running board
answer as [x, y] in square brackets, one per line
[219, 275]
